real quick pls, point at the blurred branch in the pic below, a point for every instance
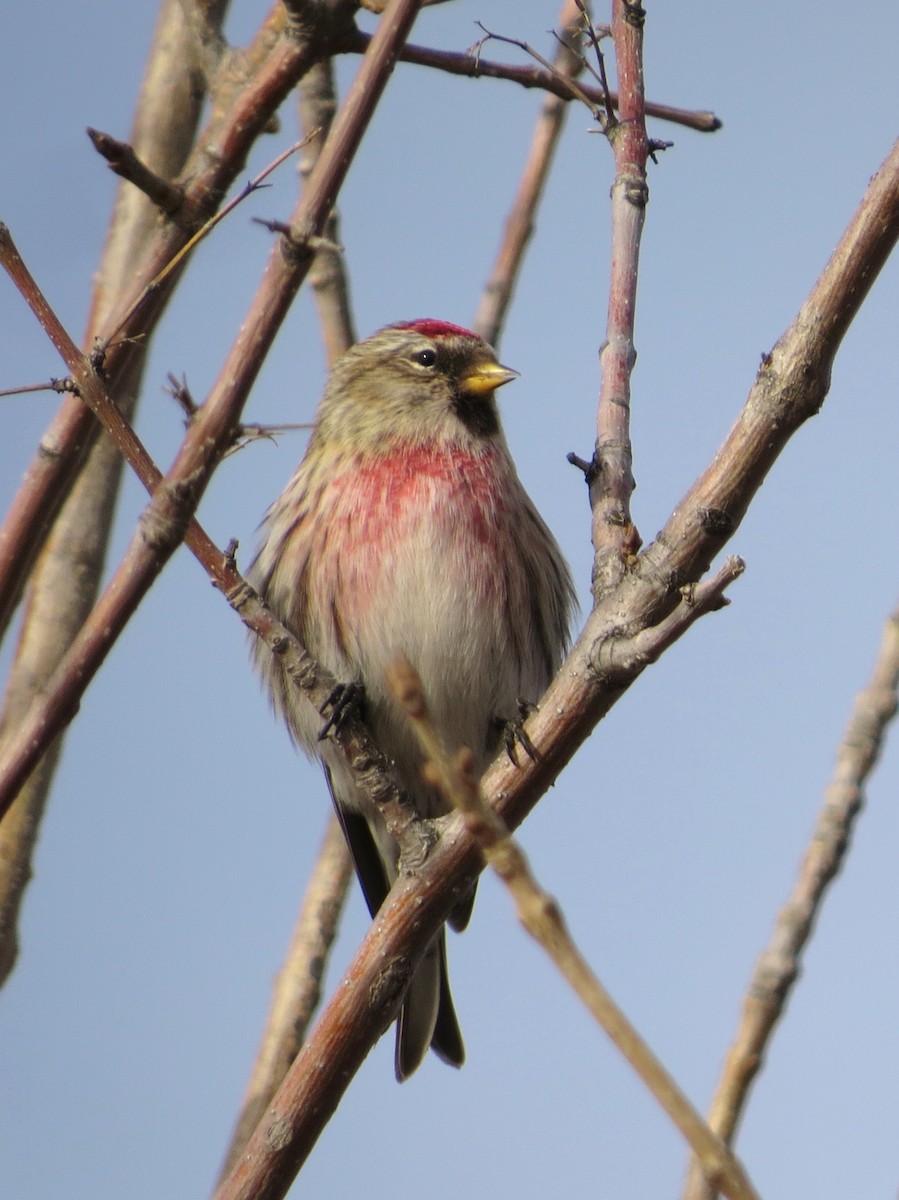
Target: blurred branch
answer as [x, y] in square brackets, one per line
[497, 294]
[65, 582]
[778, 967]
[474, 67]
[328, 274]
[541, 916]
[297, 990]
[123, 159]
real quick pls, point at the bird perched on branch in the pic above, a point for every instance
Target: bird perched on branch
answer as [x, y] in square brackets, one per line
[405, 529]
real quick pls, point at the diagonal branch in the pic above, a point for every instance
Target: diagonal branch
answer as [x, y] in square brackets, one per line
[366, 999]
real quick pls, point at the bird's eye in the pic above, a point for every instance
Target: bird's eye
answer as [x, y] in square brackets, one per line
[425, 358]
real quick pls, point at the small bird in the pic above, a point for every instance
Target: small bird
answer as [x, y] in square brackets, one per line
[405, 530]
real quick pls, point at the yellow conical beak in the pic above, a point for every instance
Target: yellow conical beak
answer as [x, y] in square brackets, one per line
[486, 377]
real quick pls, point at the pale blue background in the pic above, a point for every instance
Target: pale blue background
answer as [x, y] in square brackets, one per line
[182, 824]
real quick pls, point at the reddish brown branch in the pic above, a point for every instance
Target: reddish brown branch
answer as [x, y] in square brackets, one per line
[121, 158]
[474, 67]
[615, 539]
[790, 387]
[362, 1004]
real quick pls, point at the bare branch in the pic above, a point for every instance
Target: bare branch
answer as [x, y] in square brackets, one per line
[194, 240]
[65, 581]
[121, 158]
[248, 95]
[790, 387]
[328, 274]
[475, 67]
[418, 904]
[778, 968]
[615, 540]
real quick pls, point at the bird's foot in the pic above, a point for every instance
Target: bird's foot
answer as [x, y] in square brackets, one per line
[515, 735]
[345, 700]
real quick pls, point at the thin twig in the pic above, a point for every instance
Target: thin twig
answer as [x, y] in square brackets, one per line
[564, 80]
[599, 72]
[472, 67]
[52, 385]
[539, 913]
[778, 968]
[203, 232]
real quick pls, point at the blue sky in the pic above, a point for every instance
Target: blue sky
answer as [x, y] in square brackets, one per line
[182, 824]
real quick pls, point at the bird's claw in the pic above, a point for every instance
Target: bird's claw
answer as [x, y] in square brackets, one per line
[515, 735]
[344, 701]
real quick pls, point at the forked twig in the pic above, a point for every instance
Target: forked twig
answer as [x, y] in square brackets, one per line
[472, 67]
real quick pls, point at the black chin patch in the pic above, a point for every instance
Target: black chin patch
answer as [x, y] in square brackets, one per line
[477, 413]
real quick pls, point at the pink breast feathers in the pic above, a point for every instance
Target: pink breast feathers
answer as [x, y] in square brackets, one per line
[443, 509]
